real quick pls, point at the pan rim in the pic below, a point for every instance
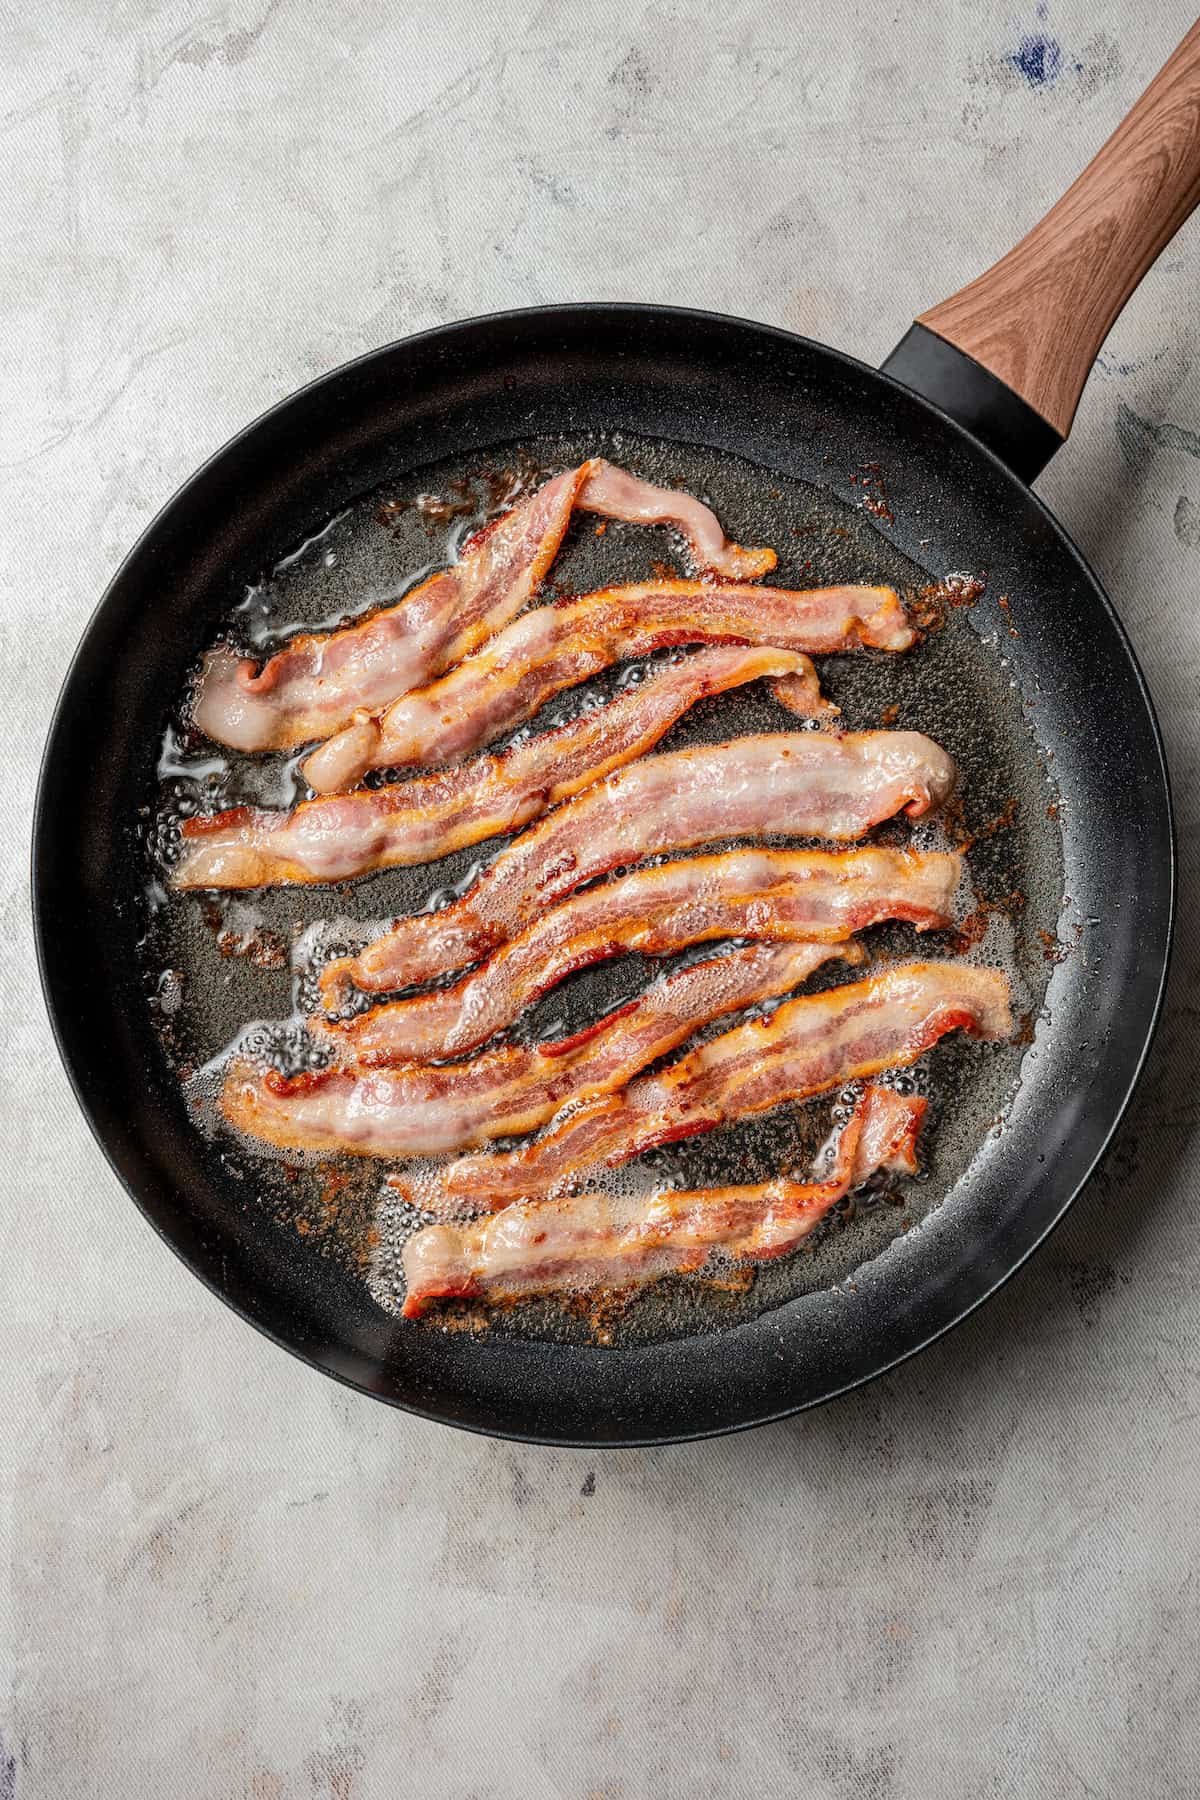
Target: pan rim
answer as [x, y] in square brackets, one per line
[683, 316]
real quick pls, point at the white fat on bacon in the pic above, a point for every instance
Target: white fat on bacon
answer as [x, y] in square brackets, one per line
[556, 647]
[424, 1109]
[339, 836]
[808, 1046]
[794, 784]
[321, 681]
[769, 895]
[598, 1241]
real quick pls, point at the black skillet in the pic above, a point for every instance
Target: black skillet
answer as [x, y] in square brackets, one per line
[966, 412]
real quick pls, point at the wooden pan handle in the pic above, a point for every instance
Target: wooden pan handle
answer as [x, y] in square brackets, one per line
[1038, 317]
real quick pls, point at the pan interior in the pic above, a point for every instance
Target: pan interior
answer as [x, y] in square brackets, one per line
[563, 378]
[214, 966]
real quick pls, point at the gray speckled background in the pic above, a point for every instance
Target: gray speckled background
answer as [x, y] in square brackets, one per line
[231, 1578]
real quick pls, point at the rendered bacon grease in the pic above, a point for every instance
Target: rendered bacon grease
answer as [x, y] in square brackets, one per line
[598, 1240]
[602, 868]
[555, 647]
[804, 784]
[317, 685]
[809, 1046]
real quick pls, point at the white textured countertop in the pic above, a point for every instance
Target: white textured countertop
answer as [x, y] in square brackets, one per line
[230, 1577]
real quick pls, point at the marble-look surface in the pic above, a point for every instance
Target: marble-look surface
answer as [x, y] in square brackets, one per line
[229, 1577]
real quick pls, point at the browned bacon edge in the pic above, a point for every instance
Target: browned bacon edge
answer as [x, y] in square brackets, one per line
[809, 1046]
[594, 1241]
[556, 647]
[421, 1109]
[767, 895]
[339, 836]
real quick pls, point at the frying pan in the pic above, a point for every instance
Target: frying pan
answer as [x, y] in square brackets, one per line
[963, 415]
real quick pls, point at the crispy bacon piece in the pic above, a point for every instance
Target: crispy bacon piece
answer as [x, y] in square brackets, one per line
[771, 895]
[591, 1241]
[795, 784]
[555, 647]
[342, 835]
[421, 1109]
[809, 1046]
[320, 682]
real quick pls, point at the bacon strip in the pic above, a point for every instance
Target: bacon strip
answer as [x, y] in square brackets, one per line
[318, 683]
[419, 1109]
[771, 895]
[598, 1241]
[617, 494]
[810, 1045]
[342, 835]
[795, 784]
[555, 647]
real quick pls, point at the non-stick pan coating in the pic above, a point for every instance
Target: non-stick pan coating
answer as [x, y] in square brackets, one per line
[204, 955]
[693, 380]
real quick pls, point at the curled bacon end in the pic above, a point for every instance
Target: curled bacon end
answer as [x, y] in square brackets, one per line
[420, 1109]
[596, 1241]
[801, 694]
[767, 895]
[617, 494]
[340, 763]
[809, 1046]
